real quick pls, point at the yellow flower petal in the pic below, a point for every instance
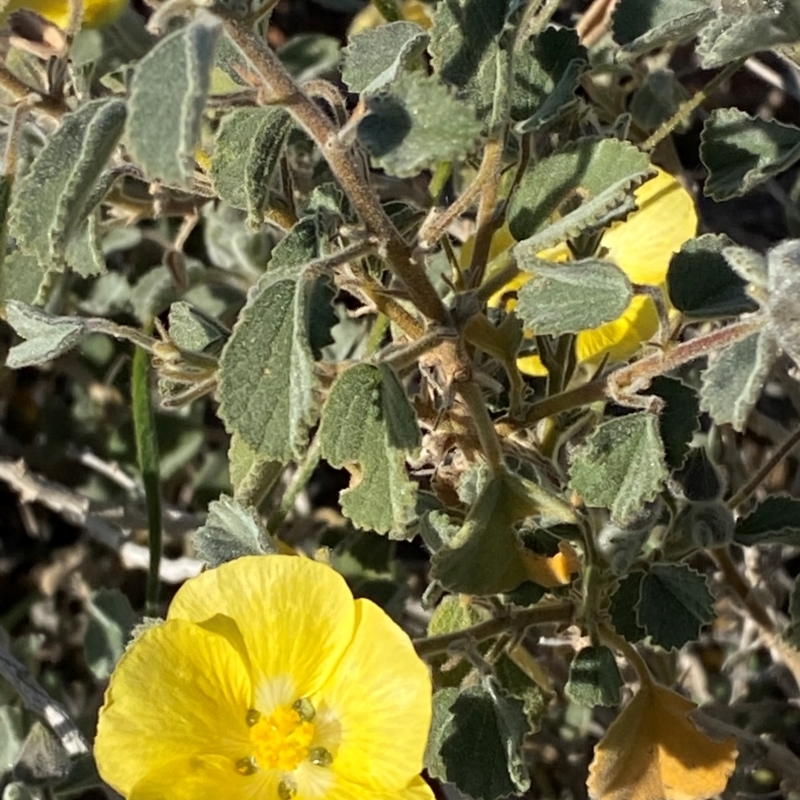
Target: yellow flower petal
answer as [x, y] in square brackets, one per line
[416, 790]
[296, 619]
[178, 692]
[622, 337]
[643, 244]
[208, 778]
[96, 13]
[384, 713]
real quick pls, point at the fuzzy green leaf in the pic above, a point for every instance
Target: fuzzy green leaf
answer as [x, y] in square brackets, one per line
[679, 419]
[701, 283]
[747, 29]
[168, 94]
[55, 198]
[621, 466]
[567, 298]
[486, 555]
[47, 336]
[675, 604]
[783, 297]
[377, 57]
[416, 123]
[369, 427]
[111, 620]
[740, 151]
[644, 25]
[732, 382]
[25, 278]
[594, 678]
[624, 607]
[476, 741]
[613, 203]
[231, 531]
[247, 148]
[578, 174]
[466, 53]
[267, 386]
[657, 99]
[549, 64]
[775, 520]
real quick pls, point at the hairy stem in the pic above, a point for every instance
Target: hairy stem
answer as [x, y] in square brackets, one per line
[282, 89]
[514, 621]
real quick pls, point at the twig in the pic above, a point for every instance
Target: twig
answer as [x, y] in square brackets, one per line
[764, 470]
[514, 621]
[282, 89]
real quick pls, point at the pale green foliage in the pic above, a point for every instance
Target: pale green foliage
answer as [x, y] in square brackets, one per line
[338, 273]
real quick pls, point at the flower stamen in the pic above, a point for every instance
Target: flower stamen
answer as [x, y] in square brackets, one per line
[282, 739]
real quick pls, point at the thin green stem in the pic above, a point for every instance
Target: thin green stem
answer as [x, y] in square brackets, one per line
[299, 480]
[631, 654]
[388, 9]
[514, 621]
[693, 103]
[147, 454]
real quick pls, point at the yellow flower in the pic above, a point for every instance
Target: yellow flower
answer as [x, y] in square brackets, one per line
[267, 681]
[642, 246]
[96, 13]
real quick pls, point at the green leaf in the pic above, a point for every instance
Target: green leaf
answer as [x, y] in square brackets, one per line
[675, 604]
[54, 199]
[594, 678]
[517, 683]
[748, 264]
[546, 74]
[231, 531]
[783, 296]
[740, 152]
[42, 757]
[11, 736]
[699, 479]
[369, 427]
[111, 620]
[732, 382]
[247, 149]
[267, 384]
[47, 336]
[476, 741]
[621, 466]
[486, 555]
[167, 97]
[679, 419]
[644, 25]
[192, 329]
[377, 57]
[613, 203]
[416, 123]
[775, 520]
[657, 99]
[744, 31]
[310, 55]
[701, 525]
[578, 174]
[466, 53]
[25, 278]
[701, 283]
[625, 605]
[567, 298]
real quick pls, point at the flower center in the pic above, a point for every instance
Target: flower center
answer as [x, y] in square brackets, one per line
[281, 740]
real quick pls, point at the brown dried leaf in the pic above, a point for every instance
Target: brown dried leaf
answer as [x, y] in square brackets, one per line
[654, 751]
